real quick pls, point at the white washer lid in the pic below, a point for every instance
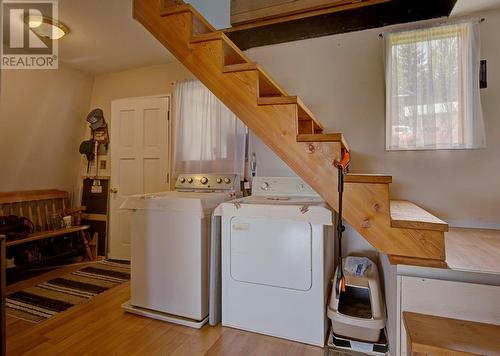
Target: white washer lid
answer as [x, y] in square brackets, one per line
[195, 202]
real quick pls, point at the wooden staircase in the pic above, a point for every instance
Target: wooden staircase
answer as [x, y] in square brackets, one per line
[284, 123]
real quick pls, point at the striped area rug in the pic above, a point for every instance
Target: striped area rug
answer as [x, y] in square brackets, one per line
[44, 300]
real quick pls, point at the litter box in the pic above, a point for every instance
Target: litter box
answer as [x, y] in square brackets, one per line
[358, 313]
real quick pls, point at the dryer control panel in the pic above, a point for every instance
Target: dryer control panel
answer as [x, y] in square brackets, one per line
[208, 182]
[281, 186]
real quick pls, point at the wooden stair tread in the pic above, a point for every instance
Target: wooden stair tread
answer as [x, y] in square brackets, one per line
[182, 8]
[405, 214]
[324, 137]
[428, 334]
[240, 67]
[367, 178]
[285, 100]
[204, 37]
[176, 9]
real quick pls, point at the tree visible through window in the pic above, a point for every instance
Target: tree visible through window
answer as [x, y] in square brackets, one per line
[432, 89]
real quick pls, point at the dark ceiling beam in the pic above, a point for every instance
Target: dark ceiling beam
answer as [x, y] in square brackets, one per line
[374, 16]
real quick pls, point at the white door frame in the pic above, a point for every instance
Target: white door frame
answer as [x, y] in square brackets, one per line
[169, 157]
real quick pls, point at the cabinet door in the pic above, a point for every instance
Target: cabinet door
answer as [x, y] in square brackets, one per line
[273, 252]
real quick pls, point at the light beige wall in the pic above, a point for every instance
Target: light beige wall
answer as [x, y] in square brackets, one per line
[42, 119]
[341, 78]
[135, 83]
[138, 82]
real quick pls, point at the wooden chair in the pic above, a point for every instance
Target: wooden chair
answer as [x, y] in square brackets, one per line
[38, 206]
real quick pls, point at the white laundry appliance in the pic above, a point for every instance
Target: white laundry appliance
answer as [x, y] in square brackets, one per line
[277, 261]
[170, 247]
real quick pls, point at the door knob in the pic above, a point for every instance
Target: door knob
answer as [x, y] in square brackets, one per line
[114, 190]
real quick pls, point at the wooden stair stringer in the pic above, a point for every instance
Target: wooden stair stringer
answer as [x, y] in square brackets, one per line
[367, 205]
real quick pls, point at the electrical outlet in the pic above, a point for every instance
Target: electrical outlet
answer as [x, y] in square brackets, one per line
[102, 164]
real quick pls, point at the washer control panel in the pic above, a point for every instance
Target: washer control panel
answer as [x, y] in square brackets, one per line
[209, 181]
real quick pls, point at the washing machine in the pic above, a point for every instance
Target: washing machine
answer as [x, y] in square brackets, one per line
[277, 260]
[170, 244]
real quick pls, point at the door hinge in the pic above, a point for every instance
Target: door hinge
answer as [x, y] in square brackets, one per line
[168, 178]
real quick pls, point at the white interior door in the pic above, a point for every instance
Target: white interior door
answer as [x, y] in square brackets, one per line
[139, 161]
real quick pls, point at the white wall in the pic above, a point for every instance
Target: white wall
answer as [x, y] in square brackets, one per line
[341, 79]
[42, 119]
[217, 12]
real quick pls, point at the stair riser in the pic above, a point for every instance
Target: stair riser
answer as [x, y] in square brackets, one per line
[305, 127]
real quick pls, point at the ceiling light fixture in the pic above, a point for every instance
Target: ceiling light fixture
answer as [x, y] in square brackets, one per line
[46, 27]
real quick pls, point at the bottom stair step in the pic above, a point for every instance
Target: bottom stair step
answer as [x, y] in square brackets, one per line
[407, 215]
[367, 178]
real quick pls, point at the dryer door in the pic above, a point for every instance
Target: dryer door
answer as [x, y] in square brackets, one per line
[274, 252]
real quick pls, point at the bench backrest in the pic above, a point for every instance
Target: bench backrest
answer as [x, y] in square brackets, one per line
[36, 205]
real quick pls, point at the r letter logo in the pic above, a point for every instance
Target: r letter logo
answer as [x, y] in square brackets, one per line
[22, 45]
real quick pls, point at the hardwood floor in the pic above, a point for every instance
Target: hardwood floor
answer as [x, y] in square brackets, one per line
[101, 327]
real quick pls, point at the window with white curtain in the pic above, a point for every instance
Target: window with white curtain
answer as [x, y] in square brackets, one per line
[209, 138]
[432, 88]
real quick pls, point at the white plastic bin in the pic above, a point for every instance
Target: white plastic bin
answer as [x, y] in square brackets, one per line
[359, 312]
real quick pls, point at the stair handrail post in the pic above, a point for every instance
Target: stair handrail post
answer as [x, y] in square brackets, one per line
[342, 167]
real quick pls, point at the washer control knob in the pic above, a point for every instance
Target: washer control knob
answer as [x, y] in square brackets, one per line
[182, 179]
[227, 180]
[264, 186]
[190, 180]
[301, 186]
[219, 180]
[204, 180]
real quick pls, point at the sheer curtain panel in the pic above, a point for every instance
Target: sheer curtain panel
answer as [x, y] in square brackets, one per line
[209, 138]
[432, 88]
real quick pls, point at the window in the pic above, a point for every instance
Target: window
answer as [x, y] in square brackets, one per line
[209, 138]
[432, 89]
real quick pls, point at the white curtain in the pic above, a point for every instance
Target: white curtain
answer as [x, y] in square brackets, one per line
[208, 138]
[432, 88]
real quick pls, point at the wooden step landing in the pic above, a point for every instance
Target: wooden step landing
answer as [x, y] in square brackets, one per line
[434, 335]
[328, 137]
[407, 215]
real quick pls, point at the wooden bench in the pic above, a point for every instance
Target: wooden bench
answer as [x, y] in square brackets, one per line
[38, 206]
[434, 335]
[2, 296]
